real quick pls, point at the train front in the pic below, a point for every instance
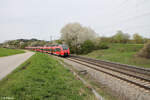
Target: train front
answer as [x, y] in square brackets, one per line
[65, 51]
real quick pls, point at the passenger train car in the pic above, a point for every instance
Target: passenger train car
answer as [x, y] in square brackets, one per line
[60, 50]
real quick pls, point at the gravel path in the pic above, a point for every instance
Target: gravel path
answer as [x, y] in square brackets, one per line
[9, 63]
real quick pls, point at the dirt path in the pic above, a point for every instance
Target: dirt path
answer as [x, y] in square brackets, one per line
[9, 63]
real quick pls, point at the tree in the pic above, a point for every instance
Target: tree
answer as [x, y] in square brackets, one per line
[70, 32]
[22, 46]
[121, 37]
[145, 51]
[138, 39]
[73, 34]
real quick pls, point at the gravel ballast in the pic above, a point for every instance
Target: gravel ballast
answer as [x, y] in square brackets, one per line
[121, 89]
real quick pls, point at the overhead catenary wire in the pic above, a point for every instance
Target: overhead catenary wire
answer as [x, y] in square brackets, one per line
[127, 19]
[142, 3]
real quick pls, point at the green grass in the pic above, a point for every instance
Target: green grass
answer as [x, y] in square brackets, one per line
[8, 52]
[42, 78]
[100, 88]
[122, 53]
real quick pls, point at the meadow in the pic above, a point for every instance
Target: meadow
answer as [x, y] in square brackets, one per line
[122, 53]
[8, 52]
[42, 77]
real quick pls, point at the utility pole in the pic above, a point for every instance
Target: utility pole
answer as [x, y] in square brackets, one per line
[51, 39]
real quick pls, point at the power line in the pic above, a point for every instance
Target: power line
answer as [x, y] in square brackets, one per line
[142, 3]
[138, 16]
[127, 20]
[130, 18]
[121, 6]
[124, 4]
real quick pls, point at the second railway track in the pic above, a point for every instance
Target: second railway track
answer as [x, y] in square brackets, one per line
[130, 75]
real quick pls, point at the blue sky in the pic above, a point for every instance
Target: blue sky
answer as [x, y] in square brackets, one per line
[44, 18]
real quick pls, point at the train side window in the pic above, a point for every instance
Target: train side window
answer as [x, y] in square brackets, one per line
[57, 49]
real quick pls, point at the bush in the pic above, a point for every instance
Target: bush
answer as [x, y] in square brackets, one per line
[87, 47]
[23, 45]
[103, 46]
[145, 51]
[72, 49]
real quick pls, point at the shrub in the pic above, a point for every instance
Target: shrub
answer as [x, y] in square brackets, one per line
[23, 45]
[87, 47]
[73, 49]
[103, 46]
[145, 51]
[121, 49]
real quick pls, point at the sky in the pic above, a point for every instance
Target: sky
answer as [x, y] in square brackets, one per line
[43, 19]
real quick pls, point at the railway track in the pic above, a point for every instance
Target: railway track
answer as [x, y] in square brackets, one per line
[134, 75]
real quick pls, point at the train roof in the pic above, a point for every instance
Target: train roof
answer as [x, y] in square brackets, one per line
[61, 45]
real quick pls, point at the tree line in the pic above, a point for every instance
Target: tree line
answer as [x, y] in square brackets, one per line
[83, 40]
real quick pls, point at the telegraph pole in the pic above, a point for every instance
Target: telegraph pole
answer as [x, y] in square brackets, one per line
[51, 39]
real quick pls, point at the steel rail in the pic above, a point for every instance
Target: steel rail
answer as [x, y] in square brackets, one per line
[109, 68]
[119, 77]
[130, 68]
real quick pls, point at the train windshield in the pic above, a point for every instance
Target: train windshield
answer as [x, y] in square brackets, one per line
[65, 47]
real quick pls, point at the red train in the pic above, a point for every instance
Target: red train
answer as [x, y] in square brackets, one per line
[60, 50]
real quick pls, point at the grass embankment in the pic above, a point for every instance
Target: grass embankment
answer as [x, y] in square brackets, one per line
[8, 52]
[122, 53]
[42, 78]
